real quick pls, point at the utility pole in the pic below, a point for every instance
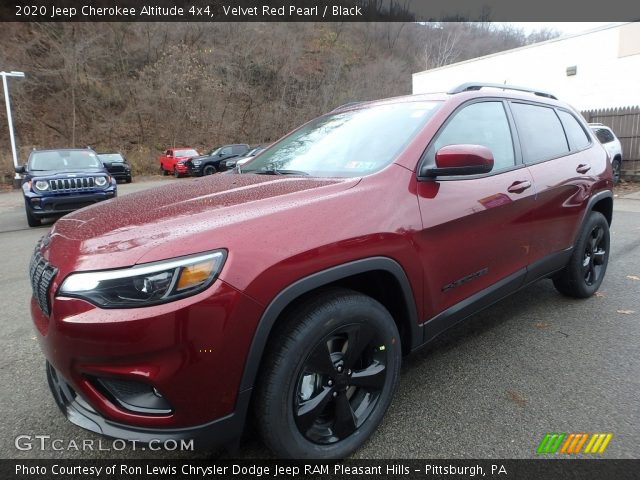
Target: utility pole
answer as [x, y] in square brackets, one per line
[16, 178]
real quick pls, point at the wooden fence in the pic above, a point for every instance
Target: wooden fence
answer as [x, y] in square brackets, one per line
[625, 122]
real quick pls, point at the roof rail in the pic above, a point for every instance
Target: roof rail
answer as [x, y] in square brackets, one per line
[348, 104]
[467, 87]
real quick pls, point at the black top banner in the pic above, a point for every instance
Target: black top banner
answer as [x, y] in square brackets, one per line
[316, 10]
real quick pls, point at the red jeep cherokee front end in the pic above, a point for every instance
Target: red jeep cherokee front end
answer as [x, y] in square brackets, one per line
[298, 286]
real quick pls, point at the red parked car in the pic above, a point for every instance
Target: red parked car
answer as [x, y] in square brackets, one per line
[173, 160]
[294, 290]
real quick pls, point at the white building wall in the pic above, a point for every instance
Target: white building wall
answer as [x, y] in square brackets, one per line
[603, 80]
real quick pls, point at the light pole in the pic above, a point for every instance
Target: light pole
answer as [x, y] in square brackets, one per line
[16, 178]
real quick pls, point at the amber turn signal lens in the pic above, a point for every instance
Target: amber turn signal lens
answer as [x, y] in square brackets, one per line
[196, 274]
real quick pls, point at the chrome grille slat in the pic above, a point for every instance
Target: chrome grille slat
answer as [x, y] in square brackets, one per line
[72, 184]
[41, 274]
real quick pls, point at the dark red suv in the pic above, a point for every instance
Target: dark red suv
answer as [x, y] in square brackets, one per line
[293, 290]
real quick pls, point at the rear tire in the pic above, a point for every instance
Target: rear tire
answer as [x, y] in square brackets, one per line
[328, 376]
[617, 170]
[164, 172]
[128, 180]
[584, 273]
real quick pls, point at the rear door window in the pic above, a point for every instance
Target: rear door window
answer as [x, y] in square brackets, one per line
[541, 134]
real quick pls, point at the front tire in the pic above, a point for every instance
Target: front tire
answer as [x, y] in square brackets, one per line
[328, 376]
[209, 170]
[585, 271]
[32, 220]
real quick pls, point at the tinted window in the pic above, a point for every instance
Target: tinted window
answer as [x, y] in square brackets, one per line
[111, 157]
[239, 149]
[347, 144]
[225, 151]
[604, 135]
[480, 124]
[540, 131]
[63, 160]
[577, 137]
[186, 153]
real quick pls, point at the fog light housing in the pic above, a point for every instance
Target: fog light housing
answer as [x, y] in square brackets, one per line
[137, 397]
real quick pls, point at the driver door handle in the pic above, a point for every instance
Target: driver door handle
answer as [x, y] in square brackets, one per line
[519, 187]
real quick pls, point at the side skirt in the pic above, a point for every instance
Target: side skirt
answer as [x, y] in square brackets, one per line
[455, 314]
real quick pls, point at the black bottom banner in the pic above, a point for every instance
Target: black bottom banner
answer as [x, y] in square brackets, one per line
[293, 470]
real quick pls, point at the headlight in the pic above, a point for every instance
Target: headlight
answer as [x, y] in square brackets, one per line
[197, 162]
[146, 284]
[42, 185]
[101, 181]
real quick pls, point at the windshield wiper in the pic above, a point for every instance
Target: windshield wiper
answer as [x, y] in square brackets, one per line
[274, 171]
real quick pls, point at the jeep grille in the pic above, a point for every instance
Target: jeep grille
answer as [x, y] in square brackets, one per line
[72, 184]
[41, 274]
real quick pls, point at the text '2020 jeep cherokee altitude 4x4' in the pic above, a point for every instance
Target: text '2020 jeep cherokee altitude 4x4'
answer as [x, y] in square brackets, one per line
[292, 291]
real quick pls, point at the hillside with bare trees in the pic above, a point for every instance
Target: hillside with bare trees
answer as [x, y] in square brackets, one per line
[139, 87]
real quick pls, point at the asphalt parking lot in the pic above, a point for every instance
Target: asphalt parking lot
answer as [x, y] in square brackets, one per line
[535, 363]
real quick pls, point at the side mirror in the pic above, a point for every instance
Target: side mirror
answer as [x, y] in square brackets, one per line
[20, 169]
[460, 160]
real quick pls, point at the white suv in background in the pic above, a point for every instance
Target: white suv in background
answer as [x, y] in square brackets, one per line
[612, 145]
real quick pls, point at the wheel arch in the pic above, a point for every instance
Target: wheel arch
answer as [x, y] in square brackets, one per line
[601, 202]
[385, 277]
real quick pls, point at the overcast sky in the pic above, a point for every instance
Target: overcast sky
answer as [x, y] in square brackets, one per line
[563, 27]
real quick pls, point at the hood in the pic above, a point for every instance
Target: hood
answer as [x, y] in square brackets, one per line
[51, 174]
[186, 216]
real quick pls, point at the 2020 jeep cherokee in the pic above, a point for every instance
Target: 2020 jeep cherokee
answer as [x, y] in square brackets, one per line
[294, 290]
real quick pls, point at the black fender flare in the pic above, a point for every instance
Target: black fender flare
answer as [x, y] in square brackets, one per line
[595, 198]
[316, 280]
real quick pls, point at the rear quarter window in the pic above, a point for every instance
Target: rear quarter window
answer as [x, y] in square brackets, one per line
[604, 135]
[541, 134]
[576, 135]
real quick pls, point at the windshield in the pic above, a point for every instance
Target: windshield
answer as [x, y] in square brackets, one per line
[64, 160]
[111, 157]
[254, 152]
[186, 153]
[346, 144]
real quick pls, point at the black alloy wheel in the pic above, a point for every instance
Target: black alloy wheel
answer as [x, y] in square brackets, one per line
[328, 375]
[340, 383]
[595, 253]
[583, 274]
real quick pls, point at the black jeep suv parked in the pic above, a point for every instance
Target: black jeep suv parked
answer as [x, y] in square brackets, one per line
[210, 163]
[117, 165]
[59, 181]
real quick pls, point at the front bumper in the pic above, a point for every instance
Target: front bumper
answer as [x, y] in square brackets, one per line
[192, 351]
[43, 206]
[121, 175]
[195, 170]
[223, 431]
